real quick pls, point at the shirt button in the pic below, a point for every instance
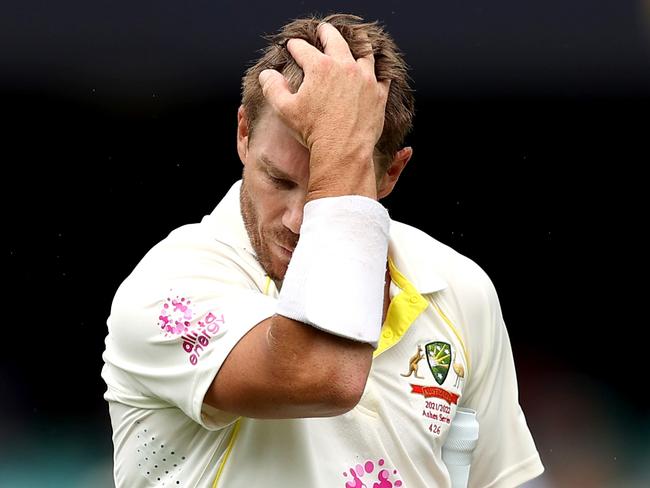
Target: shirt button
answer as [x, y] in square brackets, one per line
[387, 334]
[414, 299]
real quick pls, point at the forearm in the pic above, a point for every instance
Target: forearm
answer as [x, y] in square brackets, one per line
[285, 369]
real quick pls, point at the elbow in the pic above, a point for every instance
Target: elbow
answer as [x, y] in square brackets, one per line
[322, 390]
[345, 393]
[338, 386]
[318, 375]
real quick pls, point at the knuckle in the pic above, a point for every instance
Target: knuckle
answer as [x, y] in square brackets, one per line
[369, 78]
[325, 63]
[350, 66]
[350, 70]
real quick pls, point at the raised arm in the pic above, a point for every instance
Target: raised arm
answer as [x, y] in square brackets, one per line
[284, 367]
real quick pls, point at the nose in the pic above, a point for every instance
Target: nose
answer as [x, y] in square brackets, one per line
[292, 217]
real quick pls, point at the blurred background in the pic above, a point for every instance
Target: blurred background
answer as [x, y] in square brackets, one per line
[530, 137]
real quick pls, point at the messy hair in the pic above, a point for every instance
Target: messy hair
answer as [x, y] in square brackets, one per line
[389, 65]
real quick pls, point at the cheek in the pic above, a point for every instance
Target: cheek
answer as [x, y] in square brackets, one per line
[269, 207]
[271, 210]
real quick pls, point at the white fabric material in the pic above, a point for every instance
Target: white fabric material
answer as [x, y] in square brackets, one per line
[164, 436]
[345, 236]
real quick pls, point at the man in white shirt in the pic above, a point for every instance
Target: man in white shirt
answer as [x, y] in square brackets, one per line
[297, 336]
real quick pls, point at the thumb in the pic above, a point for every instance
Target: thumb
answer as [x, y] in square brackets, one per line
[275, 88]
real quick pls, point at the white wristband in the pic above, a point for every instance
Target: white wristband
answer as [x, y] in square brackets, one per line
[335, 279]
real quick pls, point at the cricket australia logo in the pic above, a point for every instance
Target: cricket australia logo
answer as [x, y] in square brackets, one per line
[438, 356]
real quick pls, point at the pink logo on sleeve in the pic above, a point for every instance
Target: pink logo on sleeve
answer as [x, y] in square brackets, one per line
[175, 316]
[368, 468]
[176, 319]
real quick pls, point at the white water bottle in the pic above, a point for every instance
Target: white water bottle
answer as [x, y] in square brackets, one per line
[459, 446]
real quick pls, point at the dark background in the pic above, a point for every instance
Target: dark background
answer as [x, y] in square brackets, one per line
[531, 131]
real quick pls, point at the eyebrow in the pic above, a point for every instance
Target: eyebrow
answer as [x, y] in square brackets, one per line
[270, 165]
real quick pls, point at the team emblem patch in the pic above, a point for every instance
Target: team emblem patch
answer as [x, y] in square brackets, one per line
[439, 358]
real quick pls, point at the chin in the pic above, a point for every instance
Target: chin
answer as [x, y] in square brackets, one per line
[277, 272]
[274, 268]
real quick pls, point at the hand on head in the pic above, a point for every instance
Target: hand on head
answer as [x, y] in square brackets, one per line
[338, 111]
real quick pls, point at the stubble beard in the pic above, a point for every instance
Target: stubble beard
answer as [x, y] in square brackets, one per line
[276, 270]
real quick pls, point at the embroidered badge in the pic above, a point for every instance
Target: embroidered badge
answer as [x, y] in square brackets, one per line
[439, 358]
[438, 401]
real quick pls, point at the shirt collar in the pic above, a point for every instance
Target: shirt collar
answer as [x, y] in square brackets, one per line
[228, 221]
[413, 255]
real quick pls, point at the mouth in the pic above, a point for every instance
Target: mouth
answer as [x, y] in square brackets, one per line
[285, 251]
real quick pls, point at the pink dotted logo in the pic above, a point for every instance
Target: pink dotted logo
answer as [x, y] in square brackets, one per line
[175, 316]
[178, 319]
[384, 477]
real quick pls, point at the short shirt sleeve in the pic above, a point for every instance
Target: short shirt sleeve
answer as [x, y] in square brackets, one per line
[174, 321]
[506, 455]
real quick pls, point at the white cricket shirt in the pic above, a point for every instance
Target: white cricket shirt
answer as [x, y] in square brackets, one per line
[195, 294]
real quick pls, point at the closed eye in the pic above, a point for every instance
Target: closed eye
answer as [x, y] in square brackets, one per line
[279, 182]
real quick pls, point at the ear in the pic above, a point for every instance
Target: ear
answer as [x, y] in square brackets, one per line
[388, 181]
[242, 134]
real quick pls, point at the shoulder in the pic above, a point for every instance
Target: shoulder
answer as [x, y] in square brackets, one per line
[469, 298]
[193, 248]
[425, 256]
[192, 259]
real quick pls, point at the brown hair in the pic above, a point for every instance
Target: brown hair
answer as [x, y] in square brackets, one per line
[389, 64]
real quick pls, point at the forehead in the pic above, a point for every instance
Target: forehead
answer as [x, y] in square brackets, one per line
[273, 143]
